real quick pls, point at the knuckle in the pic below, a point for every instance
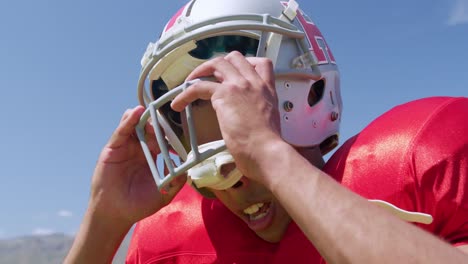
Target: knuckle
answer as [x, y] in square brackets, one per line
[195, 86]
[243, 83]
[127, 112]
[239, 85]
[234, 54]
[261, 61]
[125, 115]
[266, 61]
[231, 86]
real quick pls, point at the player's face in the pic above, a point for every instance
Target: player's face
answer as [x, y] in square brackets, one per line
[249, 200]
[257, 207]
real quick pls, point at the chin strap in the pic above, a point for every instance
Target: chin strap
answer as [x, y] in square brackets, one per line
[408, 216]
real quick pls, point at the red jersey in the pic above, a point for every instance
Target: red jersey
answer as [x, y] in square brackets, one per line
[414, 156]
[194, 229]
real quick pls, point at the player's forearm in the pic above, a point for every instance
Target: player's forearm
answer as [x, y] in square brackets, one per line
[97, 240]
[344, 227]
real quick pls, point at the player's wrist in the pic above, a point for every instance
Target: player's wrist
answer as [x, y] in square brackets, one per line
[98, 238]
[105, 209]
[269, 161]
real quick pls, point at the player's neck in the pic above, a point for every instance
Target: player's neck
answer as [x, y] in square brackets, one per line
[313, 155]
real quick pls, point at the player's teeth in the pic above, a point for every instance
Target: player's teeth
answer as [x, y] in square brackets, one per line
[253, 208]
[256, 217]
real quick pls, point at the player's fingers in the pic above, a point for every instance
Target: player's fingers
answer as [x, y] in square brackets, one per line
[174, 187]
[264, 68]
[126, 127]
[149, 129]
[219, 67]
[125, 115]
[245, 68]
[199, 90]
[153, 146]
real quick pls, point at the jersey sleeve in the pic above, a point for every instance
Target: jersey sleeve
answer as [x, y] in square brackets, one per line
[414, 156]
[439, 160]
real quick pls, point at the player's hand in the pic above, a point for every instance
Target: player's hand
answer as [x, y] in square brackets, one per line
[245, 101]
[123, 188]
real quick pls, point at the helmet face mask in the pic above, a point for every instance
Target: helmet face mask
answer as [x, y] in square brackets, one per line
[307, 78]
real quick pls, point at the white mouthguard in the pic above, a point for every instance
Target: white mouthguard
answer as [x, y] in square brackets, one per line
[208, 172]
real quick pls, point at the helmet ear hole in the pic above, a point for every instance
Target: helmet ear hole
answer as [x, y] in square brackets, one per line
[316, 92]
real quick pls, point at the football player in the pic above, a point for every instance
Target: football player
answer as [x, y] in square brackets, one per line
[247, 94]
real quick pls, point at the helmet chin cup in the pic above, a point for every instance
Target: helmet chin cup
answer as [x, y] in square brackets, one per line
[208, 173]
[167, 140]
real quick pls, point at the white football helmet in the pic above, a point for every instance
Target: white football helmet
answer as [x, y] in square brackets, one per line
[307, 78]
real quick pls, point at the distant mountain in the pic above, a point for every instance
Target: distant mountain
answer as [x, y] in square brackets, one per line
[46, 249]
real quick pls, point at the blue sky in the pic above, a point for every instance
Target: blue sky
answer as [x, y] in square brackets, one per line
[68, 70]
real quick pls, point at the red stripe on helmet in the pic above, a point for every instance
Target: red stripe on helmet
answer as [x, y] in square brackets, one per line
[173, 20]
